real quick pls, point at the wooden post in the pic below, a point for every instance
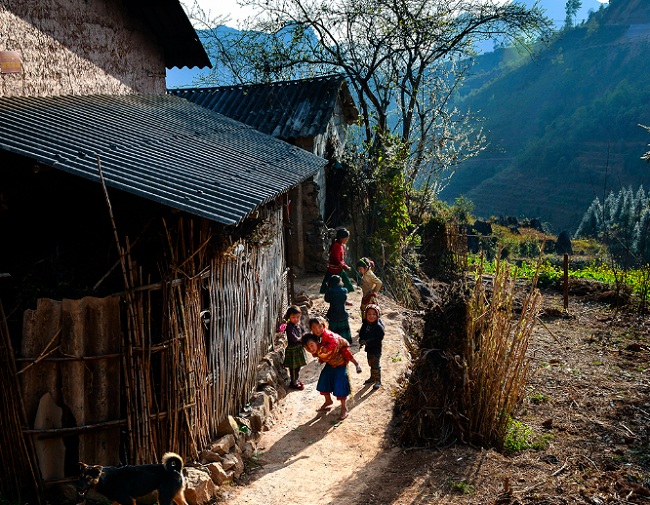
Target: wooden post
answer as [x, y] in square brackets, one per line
[566, 281]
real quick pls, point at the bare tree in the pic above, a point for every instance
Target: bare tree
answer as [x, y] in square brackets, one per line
[404, 60]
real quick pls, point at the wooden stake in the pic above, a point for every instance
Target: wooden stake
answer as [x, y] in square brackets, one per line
[566, 282]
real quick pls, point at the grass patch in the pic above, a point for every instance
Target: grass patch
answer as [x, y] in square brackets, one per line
[550, 273]
[461, 487]
[538, 398]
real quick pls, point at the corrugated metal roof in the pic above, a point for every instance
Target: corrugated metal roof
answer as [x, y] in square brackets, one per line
[168, 21]
[161, 148]
[287, 110]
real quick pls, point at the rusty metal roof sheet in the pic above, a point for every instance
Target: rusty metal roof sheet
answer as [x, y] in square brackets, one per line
[287, 110]
[162, 148]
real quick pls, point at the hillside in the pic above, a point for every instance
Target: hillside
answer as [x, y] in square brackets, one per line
[562, 125]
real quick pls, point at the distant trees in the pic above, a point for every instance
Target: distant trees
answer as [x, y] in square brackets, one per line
[572, 7]
[622, 222]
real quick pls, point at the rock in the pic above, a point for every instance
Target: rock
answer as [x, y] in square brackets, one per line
[223, 445]
[257, 422]
[305, 305]
[304, 301]
[199, 486]
[301, 297]
[228, 426]
[228, 462]
[208, 456]
[248, 450]
[272, 394]
[261, 404]
[218, 474]
[233, 462]
[276, 358]
[281, 392]
[266, 374]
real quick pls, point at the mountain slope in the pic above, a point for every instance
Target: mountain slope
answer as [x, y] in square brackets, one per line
[563, 125]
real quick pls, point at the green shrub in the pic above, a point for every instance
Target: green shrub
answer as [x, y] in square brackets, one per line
[518, 437]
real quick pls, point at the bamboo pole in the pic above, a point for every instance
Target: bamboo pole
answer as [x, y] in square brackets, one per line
[21, 478]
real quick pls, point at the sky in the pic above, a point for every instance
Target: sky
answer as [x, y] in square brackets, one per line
[184, 77]
[554, 9]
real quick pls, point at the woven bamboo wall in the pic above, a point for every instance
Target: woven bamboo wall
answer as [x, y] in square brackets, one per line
[219, 315]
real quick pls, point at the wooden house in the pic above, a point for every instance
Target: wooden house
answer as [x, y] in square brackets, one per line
[312, 114]
[142, 266]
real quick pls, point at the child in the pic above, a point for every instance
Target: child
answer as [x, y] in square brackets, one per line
[294, 356]
[371, 335]
[335, 353]
[337, 315]
[370, 283]
[336, 264]
[318, 326]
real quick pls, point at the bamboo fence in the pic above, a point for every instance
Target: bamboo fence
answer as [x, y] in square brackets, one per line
[218, 313]
[190, 350]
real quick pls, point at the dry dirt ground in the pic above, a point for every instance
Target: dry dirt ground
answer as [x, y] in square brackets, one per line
[588, 406]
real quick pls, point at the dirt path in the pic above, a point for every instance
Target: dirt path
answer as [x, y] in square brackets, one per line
[308, 457]
[588, 401]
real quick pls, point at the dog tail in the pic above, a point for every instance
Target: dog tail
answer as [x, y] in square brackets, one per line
[172, 461]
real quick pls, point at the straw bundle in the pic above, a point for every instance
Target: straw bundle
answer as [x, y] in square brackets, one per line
[469, 365]
[496, 356]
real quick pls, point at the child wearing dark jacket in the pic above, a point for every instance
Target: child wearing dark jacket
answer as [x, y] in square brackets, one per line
[371, 336]
[294, 356]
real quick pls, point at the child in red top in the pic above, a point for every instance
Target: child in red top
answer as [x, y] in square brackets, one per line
[334, 351]
[337, 264]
